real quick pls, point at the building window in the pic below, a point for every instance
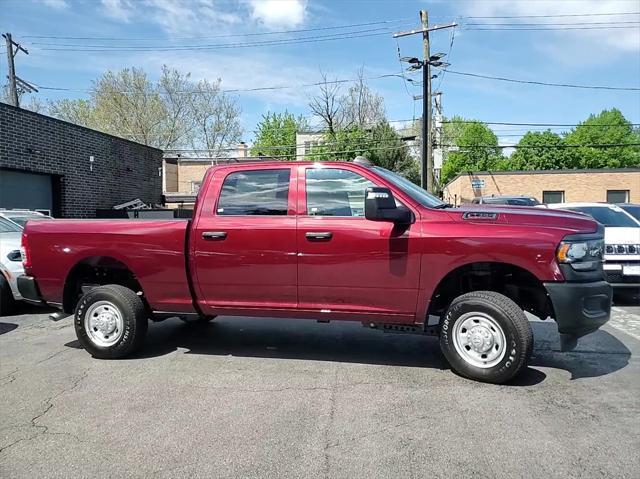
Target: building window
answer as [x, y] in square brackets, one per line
[256, 192]
[553, 196]
[617, 196]
[195, 187]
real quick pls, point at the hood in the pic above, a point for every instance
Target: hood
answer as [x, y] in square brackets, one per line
[526, 216]
[621, 235]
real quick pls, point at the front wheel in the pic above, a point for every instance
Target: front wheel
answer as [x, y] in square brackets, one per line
[486, 336]
[110, 321]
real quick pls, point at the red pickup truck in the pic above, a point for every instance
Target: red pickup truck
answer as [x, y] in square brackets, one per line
[329, 241]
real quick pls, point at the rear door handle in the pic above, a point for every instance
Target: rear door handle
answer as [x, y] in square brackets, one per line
[214, 235]
[319, 235]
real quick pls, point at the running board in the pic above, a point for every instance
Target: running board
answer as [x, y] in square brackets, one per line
[403, 328]
[58, 315]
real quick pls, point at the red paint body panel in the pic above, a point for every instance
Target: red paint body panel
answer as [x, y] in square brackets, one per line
[266, 266]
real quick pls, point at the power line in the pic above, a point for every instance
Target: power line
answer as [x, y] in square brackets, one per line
[532, 124]
[282, 32]
[626, 22]
[614, 27]
[289, 41]
[533, 82]
[595, 145]
[560, 15]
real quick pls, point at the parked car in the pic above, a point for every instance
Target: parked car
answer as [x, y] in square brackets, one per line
[10, 265]
[506, 200]
[329, 241]
[20, 217]
[622, 241]
[632, 209]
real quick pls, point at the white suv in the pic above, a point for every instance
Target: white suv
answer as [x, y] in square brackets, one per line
[621, 238]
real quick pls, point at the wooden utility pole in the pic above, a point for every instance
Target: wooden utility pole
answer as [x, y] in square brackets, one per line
[426, 173]
[13, 87]
[15, 80]
[427, 156]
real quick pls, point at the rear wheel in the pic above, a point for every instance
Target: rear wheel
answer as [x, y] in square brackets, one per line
[7, 301]
[486, 336]
[110, 321]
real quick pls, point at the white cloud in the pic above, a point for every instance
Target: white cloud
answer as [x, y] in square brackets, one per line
[578, 41]
[119, 9]
[57, 4]
[275, 14]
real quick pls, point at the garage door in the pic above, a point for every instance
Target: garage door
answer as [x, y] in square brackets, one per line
[25, 190]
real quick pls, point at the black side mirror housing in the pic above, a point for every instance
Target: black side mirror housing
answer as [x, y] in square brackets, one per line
[380, 205]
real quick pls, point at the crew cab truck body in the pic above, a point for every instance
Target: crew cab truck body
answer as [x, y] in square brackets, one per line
[329, 241]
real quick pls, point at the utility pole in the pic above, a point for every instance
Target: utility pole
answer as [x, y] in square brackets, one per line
[438, 152]
[427, 157]
[426, 174]
[15, 80]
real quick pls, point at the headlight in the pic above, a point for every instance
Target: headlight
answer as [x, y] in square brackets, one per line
[581, 255]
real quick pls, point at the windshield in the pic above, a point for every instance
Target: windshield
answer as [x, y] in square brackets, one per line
[608, 216]
[633, 210]
[7, 226]
[411, 189]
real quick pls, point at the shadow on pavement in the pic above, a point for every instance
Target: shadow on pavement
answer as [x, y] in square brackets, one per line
[597, 354]
[626, 297]
[6, 327]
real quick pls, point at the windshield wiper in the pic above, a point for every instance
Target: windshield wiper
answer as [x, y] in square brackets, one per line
[443, 206]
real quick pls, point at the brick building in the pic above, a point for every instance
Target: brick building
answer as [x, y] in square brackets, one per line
[70, 170]
[548, 186]
[184, 171]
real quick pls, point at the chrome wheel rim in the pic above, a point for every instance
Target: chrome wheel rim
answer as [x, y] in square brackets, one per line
[103, 323]
[479, 340]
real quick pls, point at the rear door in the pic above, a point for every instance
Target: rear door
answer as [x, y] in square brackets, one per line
[244, 240]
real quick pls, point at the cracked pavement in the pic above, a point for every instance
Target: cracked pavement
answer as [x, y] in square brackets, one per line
[247, 397]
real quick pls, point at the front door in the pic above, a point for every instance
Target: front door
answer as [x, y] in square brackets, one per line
[347, 263]
[244, 241]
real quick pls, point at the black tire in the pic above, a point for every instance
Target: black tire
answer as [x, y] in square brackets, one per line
[197, 319]
[129, 306]
[7, 301]
[511, 320]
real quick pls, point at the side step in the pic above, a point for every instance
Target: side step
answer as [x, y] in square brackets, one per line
[58, 315]
[403, 328]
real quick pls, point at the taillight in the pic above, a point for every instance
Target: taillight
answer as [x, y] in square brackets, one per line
[24, 252]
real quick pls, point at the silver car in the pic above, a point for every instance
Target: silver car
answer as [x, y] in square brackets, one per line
[20, 217]
[10, 265]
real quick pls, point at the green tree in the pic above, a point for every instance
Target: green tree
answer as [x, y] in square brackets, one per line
[609, 127]
[540, 150]
[275, 135]
[476, 148]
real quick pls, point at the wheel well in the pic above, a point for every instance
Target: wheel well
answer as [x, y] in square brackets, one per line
[514, 282]
[96, 271]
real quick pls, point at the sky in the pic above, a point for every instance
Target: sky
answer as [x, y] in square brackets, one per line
[234, 40]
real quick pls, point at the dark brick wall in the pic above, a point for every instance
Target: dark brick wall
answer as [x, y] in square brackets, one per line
[122, 170]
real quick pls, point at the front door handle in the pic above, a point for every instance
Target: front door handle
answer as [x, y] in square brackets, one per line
[214, 235]
[319, 235]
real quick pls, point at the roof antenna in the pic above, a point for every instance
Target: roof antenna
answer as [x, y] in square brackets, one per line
[362, 160]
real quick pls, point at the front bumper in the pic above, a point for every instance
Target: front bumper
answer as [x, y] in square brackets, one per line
[29, 289]
[580, 308]
[622, 274]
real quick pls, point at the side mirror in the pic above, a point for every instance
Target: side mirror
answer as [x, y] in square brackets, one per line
[380, 205]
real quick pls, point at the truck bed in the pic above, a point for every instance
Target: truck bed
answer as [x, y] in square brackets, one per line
[154, 249]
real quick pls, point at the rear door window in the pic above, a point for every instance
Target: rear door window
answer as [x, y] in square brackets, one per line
[255, 193]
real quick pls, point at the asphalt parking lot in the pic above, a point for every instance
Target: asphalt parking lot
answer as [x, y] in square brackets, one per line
[244, 397]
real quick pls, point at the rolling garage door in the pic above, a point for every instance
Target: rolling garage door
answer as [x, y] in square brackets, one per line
[25, 190]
